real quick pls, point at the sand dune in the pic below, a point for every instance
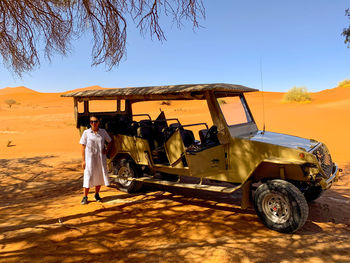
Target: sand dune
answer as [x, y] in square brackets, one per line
[324, 119]
[17, 90]
[40, 190]
[96, 87]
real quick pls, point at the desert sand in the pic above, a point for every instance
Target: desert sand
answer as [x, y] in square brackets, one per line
[42, 220]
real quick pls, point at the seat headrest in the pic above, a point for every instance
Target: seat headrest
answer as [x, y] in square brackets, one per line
[145, 123]
[176, 125]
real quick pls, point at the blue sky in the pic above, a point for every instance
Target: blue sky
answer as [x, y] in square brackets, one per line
[299, 43]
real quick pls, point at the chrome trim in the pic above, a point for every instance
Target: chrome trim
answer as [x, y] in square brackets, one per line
[315, 147]
[330, 180]
[322, 165]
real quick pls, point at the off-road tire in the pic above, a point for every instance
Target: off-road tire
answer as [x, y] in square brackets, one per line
[127, 168]
[313, 192]
[281, 206]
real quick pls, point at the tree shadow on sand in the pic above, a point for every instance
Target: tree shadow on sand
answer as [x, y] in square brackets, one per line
[29, 179]
[160, 225]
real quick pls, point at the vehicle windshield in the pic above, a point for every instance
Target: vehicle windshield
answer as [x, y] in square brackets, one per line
[234, 110]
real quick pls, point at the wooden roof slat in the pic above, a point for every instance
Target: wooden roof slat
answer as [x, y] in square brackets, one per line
[152, 91]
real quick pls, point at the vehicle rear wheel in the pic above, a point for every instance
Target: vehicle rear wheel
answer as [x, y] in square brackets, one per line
[124, 169]
[313, 192]
[281, 206]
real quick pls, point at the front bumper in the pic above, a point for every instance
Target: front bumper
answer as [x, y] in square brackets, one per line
[327, 183]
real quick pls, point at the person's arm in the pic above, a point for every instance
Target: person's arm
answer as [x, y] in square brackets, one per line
[109, 147]
[109, 143]
[83, 142]
[83, 156]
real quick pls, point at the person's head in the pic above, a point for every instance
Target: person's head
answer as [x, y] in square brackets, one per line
[94, 123]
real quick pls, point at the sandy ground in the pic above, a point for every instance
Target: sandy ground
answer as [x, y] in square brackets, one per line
[41, 219]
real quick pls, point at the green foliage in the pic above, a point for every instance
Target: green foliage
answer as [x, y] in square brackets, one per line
[297, 94]
[344, 84]
[10, 102]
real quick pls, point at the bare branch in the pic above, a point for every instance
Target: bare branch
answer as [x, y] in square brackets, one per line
[346, 31]
[29, 26]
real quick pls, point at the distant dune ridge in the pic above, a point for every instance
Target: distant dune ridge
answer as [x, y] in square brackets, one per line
[343, 86]
[37, 114]
[17, 90]
[96, 87]
[25, 90]
[339, 93]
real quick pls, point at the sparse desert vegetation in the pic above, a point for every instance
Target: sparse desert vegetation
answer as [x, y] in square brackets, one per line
[344, 84]
[10, 144]
[166, 102]
[297, 94]
[10, 102]
[222, 101]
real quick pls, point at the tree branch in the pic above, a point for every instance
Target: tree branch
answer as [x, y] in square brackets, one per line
[29, 26]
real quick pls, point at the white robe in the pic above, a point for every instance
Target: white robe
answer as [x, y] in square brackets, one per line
[95, 172]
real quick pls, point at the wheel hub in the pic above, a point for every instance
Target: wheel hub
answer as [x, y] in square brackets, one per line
[123, 173]
[276, 207]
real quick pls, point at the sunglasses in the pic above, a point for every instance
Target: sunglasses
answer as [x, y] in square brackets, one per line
[93, 121]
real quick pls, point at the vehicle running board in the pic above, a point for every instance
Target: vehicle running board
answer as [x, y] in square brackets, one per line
[212, 188]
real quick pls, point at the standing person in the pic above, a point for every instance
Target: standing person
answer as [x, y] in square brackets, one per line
[94, 158]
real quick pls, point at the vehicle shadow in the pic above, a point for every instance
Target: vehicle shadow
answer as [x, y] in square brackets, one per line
[333, 205]
[159, 225]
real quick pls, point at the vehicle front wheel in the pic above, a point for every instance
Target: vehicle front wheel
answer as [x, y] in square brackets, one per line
[124, 169]
[281, 206]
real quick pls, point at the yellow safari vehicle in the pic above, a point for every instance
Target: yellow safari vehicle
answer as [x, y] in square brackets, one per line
[219, 146]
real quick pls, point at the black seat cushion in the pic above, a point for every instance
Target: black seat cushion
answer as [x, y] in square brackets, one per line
[146, 132]
[144, 123]
[159, 134]
[112, 126]
[187, 137]
[176, 125]
[133, 127]
[202, 134]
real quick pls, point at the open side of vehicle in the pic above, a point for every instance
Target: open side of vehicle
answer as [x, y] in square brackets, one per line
[223, 153]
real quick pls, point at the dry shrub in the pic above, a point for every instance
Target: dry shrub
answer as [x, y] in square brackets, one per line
[10, 102]
[297, 94]
[166, 102]
[222, 101]
[344, 84]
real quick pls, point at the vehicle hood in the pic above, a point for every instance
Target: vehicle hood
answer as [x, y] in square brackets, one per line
[284, 140]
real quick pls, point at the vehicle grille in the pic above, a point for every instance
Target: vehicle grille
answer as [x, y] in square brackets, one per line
[324, 158]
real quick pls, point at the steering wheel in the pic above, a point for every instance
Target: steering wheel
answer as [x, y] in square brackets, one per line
[211, 135]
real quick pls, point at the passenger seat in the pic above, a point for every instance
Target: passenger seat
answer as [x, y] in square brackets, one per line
[186, 135]
[145, 131]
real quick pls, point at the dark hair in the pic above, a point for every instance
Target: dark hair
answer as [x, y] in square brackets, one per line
[94, 116]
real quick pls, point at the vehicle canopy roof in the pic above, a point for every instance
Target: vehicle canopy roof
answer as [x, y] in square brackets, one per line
[173, 92]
